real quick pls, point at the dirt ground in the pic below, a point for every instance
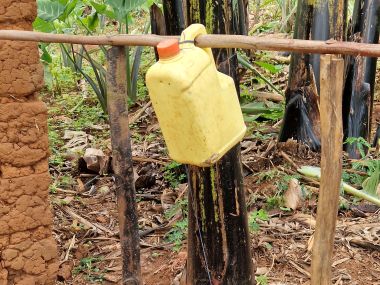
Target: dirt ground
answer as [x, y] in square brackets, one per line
[86, 226]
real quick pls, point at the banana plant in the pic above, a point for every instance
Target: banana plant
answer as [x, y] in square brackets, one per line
[315, 172]
[361, 72]
[85, 16]
[315, 20]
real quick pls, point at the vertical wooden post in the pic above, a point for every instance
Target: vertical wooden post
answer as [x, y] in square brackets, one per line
[122, 165]
[218, 241]
[331, 166]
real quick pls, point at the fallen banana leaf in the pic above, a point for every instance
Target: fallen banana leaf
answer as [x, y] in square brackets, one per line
[266, 110]
[315, 172]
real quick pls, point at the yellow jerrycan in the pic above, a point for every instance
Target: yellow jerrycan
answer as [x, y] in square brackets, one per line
[196, 106]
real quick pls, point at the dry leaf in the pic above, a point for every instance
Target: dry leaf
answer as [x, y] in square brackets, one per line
[65, 270]
[262, 270]
[168, 198]
[340, 261]
[96, 160]
[293, 195]
[80, 187]
[67, 200]
[305, 219]
[112, 278]
[104, 190]
[310, 244]
[78, 140]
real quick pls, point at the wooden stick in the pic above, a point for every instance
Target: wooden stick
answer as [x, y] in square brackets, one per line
[269, 96]
[332, 69]
[213, 41]
[122, 165]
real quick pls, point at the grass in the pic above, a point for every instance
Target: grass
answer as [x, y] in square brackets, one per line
[255, 217]
[262, 280]
[178, 232]
[88, 266]
[174, 175]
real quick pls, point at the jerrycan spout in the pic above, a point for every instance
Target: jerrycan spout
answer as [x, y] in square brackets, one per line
[168, 49]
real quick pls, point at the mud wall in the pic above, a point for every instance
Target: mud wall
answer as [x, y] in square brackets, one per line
[28, 253]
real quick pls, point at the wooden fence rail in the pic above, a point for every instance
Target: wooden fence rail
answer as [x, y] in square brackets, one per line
[212, 41]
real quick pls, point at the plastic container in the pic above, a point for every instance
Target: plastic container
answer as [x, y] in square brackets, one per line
[197, 107]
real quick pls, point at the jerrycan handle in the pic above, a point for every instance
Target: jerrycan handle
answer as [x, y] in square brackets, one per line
[190, 33]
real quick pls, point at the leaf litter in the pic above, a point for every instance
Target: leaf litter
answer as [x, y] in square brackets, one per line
[86, 224]
[282, 202]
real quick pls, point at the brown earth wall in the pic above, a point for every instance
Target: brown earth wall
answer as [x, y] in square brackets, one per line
[28, 252]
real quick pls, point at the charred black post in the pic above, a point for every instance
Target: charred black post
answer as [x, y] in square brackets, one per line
[317, 20]
[218, 240]
[157, 23]
[174, 18]
[376, 139]
[301, 119]
[361, 72]
[122, 166]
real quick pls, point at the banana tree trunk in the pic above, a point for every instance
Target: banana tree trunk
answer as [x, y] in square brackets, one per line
[174, 17]
[315, 20]
[218, 239]
[361, 72]
[157, 23]
[376, 139]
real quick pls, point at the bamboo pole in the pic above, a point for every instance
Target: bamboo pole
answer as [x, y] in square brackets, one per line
[122, 166]
[332, 71]
[214, 41]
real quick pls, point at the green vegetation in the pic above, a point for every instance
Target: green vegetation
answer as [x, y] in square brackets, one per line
[178, 232]
[256, 216]
[173, 174]
[315, 172]
[91, 17]
[88, 267]
[360, 143]
[262, 280]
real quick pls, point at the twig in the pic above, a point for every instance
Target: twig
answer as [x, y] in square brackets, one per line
[139, 113]
[67, 191]
[287, 158]
[304, 177]
[147, 159]
[151, 230]
[269, 96]
[181, 194]
[356, 172]
[94, 226]
[299, 268]
[71, 245]
[279, 123]
[248, 65]
[271, 266]
[148, 196]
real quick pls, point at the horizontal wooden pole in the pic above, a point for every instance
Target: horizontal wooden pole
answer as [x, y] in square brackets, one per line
[213, 41]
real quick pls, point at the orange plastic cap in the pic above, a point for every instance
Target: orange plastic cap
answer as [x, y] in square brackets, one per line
[168, 48]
